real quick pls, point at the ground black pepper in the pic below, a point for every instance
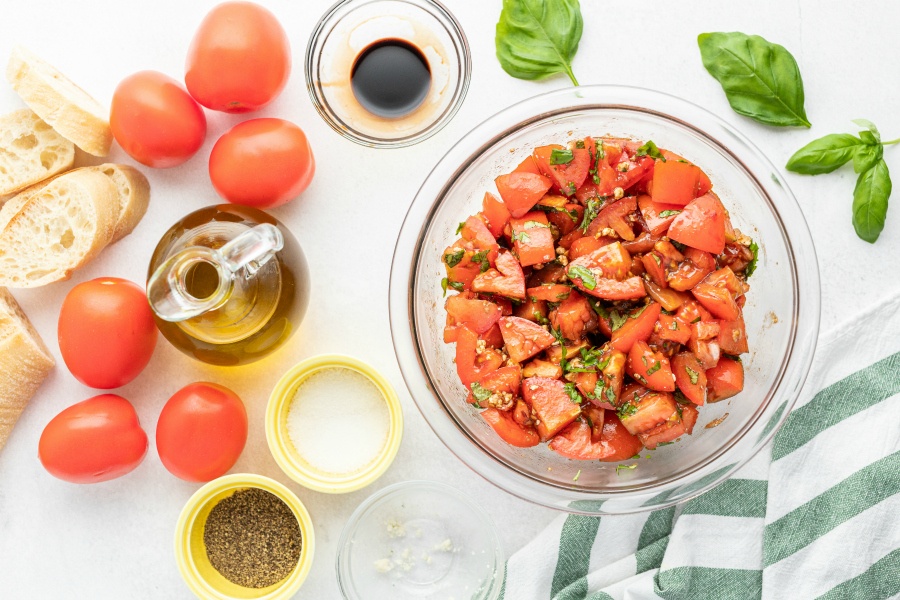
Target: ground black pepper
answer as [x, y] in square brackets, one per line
[252, 538]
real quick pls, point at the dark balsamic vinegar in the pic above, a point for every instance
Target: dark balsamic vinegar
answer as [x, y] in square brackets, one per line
[390, 78]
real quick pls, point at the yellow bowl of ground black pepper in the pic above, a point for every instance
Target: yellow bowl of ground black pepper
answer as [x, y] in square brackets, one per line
[245, 537]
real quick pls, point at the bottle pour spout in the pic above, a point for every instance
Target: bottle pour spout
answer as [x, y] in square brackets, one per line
[168, 291]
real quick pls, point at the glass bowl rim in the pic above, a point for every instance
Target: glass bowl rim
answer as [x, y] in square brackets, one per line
[320, 103]
[702, 123]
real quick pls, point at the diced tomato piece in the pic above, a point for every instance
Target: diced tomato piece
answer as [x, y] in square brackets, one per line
[475, 231]
[675, 182]
[477, 315]
[507, 279]
[470, 365]
[542, 368]
[650, 368]
[670, 328]
[637, 327]
[622, 445]
[668, 298]
[521, 191]
[648, 412]
[670, 430]
[692, 312]
[610, 289]
[533, 310]
[522, 414]
[551, 273]
[657, 216]
[654, 268]
[574, 317]
[595, 418]
[523, 338]
[725, 380]
[505, 380]
[613, 216]
[495, 212]
[551, 404]
[527, 166]
[701, 224]
[567, 177]
[615, 442]
[690, 377]
[568, 239]
[509, 430]
[608, 385]
[714, 295]
[551, 292]
[703, 182]
[637, 170]
[706, 351]
[584, 246]
[644, 242]
[532, 239]
[586, 382]
[492, 338]
[696, 265]
[566, 218]
[733, 336]
[609, 261]
[555, 352]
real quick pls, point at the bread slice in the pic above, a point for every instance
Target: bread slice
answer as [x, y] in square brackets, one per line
[30, 151]
[48, 233]
[134, 196]
[24, 363]
[62, 104]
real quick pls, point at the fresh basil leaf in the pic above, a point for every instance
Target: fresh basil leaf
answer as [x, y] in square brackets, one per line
[825, 154]
[460, 227]
[656, 367]
[453, 258]
[561, 157]
[444, 283]
[620, 468]
[870, 201]
[751, 266]
[866, 156]
[650, 149]
[457, 285]
[667, 213]
[590, 213]
[617, 319]
[572, 393]
[533, 224]
[480, 393]
[692, 374]
[538, 38]
[761, 80]
[586, 277]
[870, 127]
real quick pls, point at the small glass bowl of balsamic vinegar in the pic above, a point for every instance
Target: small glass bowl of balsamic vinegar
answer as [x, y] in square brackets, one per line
[388, 73]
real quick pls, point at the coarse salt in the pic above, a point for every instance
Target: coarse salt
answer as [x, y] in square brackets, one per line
[338, 421]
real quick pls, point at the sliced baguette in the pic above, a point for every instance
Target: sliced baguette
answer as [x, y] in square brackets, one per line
[30, 151]
[62, 104]
[134, 196]
[48, 233]
[24, 363]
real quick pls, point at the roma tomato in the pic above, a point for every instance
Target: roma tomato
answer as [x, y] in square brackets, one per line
[239, 59]
[106, 332]
[201, 431]
[95, 440]
[155, 120]
[262, 163]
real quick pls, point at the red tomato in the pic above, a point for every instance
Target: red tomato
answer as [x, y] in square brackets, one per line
[614, 216]
[733, 336]
[504, 380]
[553, 406]
[567, 176]
[549, 292]
[701, 225]
[648, 412]
[657, 216]
[523, 338]
[95, 440]
[636, 328]
[507, 279]
[509, 430]
[650, 368]
[725, 380]
[470, 365]
[262, 163]
[574, 317]
[201, 431]
[584, 246]
[521, 190]
[106, 332]
[670, 429]
[532, 239]
[477, 315]
[675, 182]
[239, 59]
[496, 213]
[690, 377]
[155, 120]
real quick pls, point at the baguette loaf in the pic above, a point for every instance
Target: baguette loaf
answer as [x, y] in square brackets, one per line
[24, 363]
[47, 233]
[30, 151]
[62, 104]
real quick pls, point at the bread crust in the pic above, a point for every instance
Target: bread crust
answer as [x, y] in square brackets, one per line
[25, 362]
[57, 100]
[134, 196]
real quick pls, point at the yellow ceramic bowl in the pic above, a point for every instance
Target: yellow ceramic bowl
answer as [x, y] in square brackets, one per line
[190, 551]
[283, 449]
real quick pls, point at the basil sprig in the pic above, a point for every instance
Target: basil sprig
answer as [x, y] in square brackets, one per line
[538, 38]
[873, 186]
[761, 80]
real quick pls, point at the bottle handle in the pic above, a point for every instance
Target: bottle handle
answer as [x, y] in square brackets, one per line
[167, 289]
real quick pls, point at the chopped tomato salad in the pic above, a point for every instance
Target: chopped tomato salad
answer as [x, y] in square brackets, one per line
[597, 299]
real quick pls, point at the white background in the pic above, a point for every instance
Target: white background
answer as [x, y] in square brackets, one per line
[115, 540]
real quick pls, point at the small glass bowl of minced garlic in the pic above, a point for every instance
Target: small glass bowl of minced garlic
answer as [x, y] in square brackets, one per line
[244, 536]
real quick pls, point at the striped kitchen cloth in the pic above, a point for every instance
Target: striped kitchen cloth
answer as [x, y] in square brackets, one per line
[815, 515]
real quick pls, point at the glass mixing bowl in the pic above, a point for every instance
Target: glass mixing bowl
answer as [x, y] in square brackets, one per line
[782, 310]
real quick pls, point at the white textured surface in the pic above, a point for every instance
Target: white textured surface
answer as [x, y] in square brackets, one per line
[114, 540]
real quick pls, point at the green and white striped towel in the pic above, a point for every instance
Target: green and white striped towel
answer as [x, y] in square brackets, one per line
[815, 515]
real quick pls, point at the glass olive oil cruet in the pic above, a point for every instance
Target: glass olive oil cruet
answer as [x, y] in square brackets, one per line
[228, 284]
